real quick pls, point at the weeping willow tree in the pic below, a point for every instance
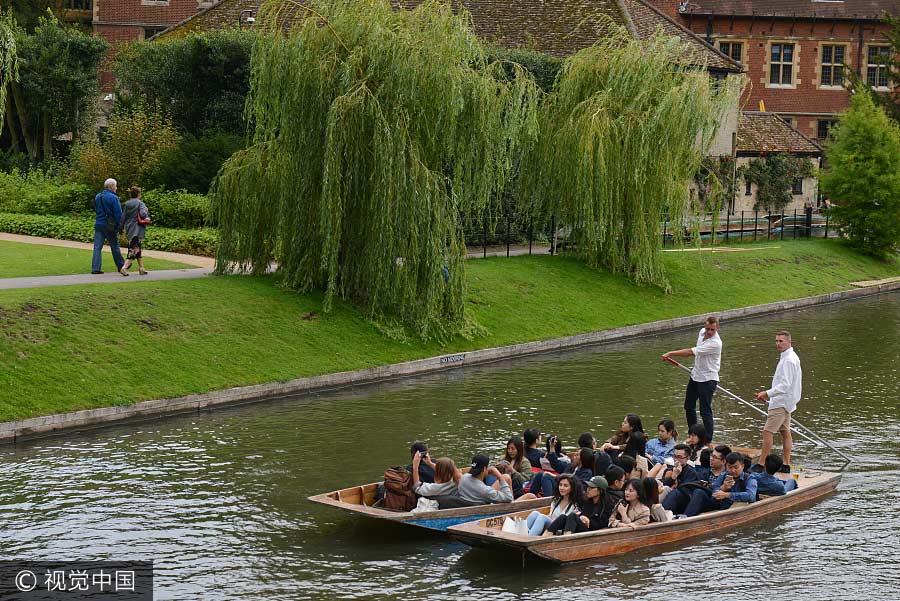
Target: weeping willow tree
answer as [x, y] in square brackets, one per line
[622, 135]
[9, 58]
[373, 131]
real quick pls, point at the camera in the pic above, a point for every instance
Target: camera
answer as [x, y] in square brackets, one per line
[423, 454]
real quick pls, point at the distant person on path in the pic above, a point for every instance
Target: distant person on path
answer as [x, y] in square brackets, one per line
[107, 226]
[705, 374]
[782, 397]
[137, 217]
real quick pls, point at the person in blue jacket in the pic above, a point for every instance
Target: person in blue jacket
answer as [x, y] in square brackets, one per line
[107, 226]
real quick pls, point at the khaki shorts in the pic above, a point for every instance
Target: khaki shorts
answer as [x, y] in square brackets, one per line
[779, 420]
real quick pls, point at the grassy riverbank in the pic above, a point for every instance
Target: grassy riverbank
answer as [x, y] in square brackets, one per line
[69, 348]
[18, 260]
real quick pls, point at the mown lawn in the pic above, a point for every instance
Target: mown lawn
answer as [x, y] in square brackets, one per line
[70, 348]
[18, 260]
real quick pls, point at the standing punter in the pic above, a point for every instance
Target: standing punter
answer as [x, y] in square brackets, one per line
[782, 397]
[704, 375]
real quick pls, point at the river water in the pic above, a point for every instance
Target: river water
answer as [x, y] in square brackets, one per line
[218, 501]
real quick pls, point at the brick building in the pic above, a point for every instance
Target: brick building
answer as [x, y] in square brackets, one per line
[795, 52]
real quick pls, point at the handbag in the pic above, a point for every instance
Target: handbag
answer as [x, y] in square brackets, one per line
[142, 221]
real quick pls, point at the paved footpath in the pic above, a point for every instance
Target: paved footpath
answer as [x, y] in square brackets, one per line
[204, 267]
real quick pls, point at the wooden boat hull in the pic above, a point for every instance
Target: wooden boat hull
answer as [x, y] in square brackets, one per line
[603, 543]
[359, 500]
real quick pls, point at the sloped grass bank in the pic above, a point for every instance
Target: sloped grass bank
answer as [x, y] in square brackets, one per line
[69, 348]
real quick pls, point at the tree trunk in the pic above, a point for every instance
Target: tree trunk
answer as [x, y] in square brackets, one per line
[30, 142]
[11, 124]
[48, 139]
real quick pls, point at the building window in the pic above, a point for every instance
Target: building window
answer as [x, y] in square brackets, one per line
[781, 66]
[732, 49]
[797, 187]
[876, 66]
[832, 65]
[747, 191]
[823, 129]
[80, 4]
[149, 32]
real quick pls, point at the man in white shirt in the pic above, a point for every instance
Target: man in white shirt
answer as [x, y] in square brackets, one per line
[782, 397]
[705, 374]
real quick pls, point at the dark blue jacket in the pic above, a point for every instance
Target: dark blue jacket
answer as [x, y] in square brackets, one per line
[688, 474]
[534, 457]
[107, 203]
[767, 484]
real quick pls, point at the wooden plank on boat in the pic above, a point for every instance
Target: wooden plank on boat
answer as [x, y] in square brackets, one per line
[607, 542]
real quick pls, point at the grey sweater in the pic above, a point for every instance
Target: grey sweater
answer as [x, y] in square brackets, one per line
[130, 213]
[473, 490]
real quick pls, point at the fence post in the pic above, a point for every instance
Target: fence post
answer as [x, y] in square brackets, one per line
[507, 234]
[742, 226]
[484, 238]
[727, 226]
[665, 231]
[553, 235]
[827, 216]
[782, 225]
[755, 225]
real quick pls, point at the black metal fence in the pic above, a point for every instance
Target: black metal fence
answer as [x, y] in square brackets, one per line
[511, 234]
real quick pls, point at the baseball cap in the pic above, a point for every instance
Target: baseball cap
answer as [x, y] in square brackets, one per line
[479, 462]
[598, 482]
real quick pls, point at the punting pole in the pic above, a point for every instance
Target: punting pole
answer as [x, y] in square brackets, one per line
[803, 431]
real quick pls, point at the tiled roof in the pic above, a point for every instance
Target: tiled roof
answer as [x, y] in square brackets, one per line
[648, 19]
[824, 9]
[767, 132]
[556, 27]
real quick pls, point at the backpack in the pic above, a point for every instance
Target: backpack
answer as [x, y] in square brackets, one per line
[398, 492]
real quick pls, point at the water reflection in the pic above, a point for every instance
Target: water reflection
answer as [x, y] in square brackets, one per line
[219, 500]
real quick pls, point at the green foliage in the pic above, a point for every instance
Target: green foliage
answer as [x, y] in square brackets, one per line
[195, 162]
[29, 12]
[202, 78]
[9, 57]
[133, 147]
[39, 193]
[374, 131]
[543, 68]
[716, 181]
[176, 209]
[58, 83]
[622, 135]
[192, 242]
[863, 176]
[774, 177]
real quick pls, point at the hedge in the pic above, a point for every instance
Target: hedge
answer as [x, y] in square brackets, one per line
[40, 194]
[202, 241]
[178, 209]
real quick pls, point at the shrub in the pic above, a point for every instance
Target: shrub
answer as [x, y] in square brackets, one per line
[177, 209]
[194, 163]
[37, 192]
[194, 242]
[130, 151]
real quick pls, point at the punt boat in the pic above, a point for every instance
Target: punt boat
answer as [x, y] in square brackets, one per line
[487, 532]
[361, 500]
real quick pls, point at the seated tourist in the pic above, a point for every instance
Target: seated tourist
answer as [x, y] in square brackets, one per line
[634, 511]
[583, 464]
[627, 463]
[712, 462]
[616, 444]
[517, 465]
[635, 449]
[602, 459]
[697, 439]
[663, 445]
[682, 474]
[591, 514]
[533, 452]
[553, 463]
[473, 490]
[767, 483]
[446, 478]
[426, 466]
[615, 477]
[567, 497]
[732, 486]
[651, 497]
